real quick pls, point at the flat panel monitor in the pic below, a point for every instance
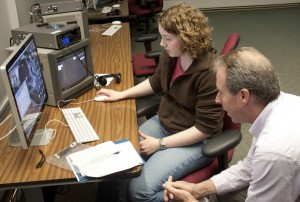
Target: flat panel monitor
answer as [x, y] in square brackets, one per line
[25, 87]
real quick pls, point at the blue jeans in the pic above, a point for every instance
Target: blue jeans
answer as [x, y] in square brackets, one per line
[177, 162]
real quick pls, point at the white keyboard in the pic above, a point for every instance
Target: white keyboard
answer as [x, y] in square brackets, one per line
[80, 126]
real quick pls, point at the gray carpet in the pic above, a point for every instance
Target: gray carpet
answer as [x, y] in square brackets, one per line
[275, 32]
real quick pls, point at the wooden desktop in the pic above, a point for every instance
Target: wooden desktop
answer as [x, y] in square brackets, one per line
[112, 121]
[98, 16]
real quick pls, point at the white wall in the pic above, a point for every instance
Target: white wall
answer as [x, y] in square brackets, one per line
[8, 21]
[228, 3]
[23, 8]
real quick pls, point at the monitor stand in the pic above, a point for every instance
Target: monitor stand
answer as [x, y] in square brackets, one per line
[41, 137]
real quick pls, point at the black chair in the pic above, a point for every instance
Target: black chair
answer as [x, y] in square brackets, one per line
[145, 11]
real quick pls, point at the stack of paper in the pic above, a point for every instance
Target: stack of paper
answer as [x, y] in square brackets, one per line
[104, 159]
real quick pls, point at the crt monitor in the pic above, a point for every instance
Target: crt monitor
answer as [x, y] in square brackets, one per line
[27, 95]
[68, 72]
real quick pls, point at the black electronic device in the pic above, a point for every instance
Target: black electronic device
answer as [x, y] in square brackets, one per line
[49, 7]
[79, 18]
[25, 87]
[103, 79]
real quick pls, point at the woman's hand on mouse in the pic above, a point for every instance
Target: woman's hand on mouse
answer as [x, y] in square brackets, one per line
[112, 95]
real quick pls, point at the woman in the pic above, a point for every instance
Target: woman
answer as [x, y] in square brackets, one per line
[171, 142]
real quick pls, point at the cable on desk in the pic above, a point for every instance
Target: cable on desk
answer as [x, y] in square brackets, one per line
[92, 73]
[7, 134]
[76, 103]
[59, 101]
[42, 161]
[54, 131]
[5, 119]
[73, 102]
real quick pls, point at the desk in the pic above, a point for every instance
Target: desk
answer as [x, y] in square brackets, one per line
[96, 15]
[112, 121]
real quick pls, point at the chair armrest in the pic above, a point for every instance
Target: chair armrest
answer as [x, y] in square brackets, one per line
[153, 54]
[222, 143]
[147, 38]
[147, 105]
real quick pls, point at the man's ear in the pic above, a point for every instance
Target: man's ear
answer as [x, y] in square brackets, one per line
[244, 95]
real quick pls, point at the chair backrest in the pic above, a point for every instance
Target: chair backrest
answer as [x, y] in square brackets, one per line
[231, 43]
[221, 162]
[228, 124]
[153, 5]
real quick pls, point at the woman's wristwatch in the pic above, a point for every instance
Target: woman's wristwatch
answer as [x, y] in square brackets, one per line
[162, 144]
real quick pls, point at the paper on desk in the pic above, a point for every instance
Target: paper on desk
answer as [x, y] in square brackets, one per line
[104, 159]
[106, 9]
[111, 30]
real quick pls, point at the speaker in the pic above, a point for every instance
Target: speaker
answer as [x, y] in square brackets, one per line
[102, 79]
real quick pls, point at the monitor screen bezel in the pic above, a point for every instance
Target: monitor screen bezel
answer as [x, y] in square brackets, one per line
[49, 58]
[25, 142]
[82, 64]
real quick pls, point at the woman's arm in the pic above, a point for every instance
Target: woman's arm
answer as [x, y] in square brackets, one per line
[187, 137]
[142, 89]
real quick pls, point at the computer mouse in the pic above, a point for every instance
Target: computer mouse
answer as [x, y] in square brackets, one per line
[116, 22]
[100, 98]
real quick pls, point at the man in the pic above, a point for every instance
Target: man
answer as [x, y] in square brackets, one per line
[249, 91]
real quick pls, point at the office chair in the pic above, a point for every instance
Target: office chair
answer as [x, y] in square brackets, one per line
[145, 10]
[221, 147]
[144, 64]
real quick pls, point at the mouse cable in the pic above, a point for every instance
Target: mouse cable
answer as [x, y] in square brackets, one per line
[96, 77]
[59, 101]
[93, 74]
[76, 103]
